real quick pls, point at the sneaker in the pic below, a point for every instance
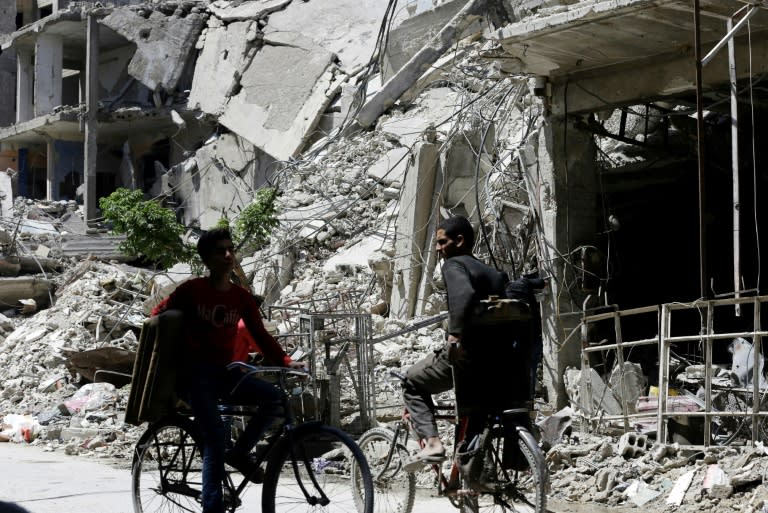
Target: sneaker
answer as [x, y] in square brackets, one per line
[246, 465]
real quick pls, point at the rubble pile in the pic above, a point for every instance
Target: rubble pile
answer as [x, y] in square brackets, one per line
[96, 305]
[633, 471]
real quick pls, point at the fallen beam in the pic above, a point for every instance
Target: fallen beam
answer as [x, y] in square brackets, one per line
[394, 88]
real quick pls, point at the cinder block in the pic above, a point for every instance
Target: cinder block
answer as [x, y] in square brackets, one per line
[632, 444]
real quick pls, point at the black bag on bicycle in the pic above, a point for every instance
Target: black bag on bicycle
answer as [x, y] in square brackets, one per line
[471, 461]
[512, 457]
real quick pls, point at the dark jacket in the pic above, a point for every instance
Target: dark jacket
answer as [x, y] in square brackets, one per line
[468, 281]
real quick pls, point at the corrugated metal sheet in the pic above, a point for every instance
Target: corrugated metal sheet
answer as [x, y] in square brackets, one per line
[104, 247]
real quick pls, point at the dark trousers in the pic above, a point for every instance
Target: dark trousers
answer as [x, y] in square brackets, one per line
[432, 375]
[205, 385]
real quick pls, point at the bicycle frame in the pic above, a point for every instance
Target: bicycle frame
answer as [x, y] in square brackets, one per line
[402, 430]
[288, 421]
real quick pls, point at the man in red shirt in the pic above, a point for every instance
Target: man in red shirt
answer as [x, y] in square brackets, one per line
[212, 307]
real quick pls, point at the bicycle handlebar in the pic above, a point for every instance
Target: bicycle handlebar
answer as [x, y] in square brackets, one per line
[282, 371]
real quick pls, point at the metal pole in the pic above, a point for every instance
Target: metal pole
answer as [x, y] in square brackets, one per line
[91, 118]
[729, 36]
[735, 169]
[700, 147]
[661, 425]
[708, 374]
[757, 353]
[620, 361]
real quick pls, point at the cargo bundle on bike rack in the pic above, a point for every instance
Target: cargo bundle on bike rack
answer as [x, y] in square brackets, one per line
[153, 383]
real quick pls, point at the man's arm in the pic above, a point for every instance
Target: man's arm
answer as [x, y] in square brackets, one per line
[266, 342]
[460, 296]
[176, 300]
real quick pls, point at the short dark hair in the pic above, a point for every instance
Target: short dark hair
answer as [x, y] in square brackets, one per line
[459, 225]
[11, 507]
[207, 241]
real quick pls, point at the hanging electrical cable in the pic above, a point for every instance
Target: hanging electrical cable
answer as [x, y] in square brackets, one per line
[478, 159]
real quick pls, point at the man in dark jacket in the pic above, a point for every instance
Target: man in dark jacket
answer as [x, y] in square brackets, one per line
[478, 357]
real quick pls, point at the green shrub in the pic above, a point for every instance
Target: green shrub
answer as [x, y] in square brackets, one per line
[256, 222]
[151, 230]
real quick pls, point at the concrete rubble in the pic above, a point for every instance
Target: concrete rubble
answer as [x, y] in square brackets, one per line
[205, 102]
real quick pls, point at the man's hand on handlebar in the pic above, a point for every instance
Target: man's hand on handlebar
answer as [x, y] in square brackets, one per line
[298, 366]
[455, 351]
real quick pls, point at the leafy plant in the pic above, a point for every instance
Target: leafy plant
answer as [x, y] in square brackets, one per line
[256, 222]
[151, 230]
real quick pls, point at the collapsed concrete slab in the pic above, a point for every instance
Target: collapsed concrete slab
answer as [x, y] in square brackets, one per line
[413, 33]
[78, 245]
[346, 28]
[410, 72]
[271, 95]
[163, 43]
[209, 170]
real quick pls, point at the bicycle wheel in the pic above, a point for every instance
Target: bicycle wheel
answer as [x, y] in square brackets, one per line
[167, 468]
[311, 470]
[511, 490]
[395, 489]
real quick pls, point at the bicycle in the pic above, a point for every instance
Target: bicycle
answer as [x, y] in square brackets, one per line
[309, 463]
[485, 476]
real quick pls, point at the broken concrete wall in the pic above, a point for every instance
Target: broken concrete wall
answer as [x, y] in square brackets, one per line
[116, 86]
[463, 174]
[7, 65]
[163, 43]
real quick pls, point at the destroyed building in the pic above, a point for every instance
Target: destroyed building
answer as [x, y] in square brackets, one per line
[580, 137]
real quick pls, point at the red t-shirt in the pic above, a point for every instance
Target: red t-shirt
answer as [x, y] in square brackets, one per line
[211, 317]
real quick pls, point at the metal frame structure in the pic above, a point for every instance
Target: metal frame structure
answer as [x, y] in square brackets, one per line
[618, 346]
[707, 337]
[329, 353]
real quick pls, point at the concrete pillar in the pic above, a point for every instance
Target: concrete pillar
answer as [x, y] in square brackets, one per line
[50, 170]
[24, 85]
[49, 59]
[91, 117]
[411, 230]
[28, 11]
[7, 64]
[559, 164]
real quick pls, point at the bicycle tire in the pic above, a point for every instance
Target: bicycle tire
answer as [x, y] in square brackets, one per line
[166, 474]
[394, 489]
[510, 488]
[310, 470]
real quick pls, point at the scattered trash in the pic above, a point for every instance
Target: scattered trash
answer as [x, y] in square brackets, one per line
[682, 484]
[91, 397]
[640, 493]
[20, 428]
